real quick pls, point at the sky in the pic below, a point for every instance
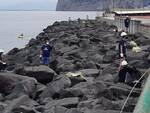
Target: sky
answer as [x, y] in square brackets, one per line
[28, 4]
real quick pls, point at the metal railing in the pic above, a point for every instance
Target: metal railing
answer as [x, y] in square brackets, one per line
[135, 25]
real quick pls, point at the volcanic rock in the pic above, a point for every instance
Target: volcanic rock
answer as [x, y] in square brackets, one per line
[43, 74]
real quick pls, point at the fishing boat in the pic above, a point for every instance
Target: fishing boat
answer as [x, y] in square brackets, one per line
[21, 36]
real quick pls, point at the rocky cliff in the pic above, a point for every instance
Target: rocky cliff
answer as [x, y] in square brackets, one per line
[91, 5]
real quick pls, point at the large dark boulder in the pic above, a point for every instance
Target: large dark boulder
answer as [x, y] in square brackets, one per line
[97, 58]
[109, 57]
[64, 65]
[43, 74]
[54, 88]
[143, 41]
[86, 90]
[118, 91]
[66, 102]
[106, 77]
[33, 42]
[71, 92]
[39, 89]
[140, 64]
[68, 66]
[27, 87]
[13, 51]
[21, 101]
[88, 64]
[109, 69]
[145, 48]
[102, 104]
[66, 50]
[16, 83]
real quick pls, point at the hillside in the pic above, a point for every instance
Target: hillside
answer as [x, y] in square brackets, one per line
[92, 5]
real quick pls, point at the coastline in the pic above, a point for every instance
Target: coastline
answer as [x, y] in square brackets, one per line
[83, 47]
[30, 24]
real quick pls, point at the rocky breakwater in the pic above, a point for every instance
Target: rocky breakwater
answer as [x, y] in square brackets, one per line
[87, 48]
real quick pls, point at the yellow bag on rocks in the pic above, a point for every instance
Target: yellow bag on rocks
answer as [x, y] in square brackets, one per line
[136, 49]
[76, 74]
[133, 44]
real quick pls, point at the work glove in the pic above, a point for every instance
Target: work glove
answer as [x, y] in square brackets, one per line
[121, 54]
[4, 63]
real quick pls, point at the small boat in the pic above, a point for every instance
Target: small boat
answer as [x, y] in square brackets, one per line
[21, 36]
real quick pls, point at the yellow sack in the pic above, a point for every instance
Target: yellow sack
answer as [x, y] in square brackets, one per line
[76, 74]
[136, 49]
[133, 44]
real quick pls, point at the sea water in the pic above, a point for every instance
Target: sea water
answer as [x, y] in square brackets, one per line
[31, 23]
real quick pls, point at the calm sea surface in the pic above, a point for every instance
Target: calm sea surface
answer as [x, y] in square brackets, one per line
[30, 23]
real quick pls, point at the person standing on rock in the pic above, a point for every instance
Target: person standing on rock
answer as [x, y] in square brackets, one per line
[46, 53]
[122, 45]
[2, 64]
[127, 23]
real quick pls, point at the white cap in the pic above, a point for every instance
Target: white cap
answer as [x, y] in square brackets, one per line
[123, 63]
[1, 51]
[123, 34]
[121, 55]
